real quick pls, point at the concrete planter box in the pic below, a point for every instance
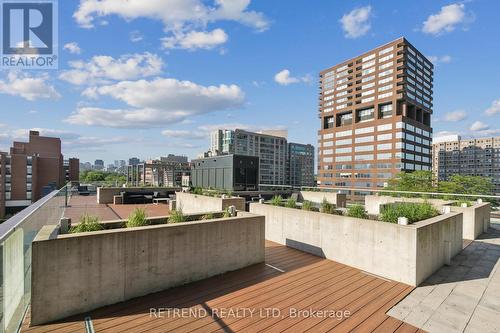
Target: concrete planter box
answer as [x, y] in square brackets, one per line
[407, 254]
[335, 198]
[195, 203]
[476, 219]
[373, 202]
[105, 195]
[76, 273]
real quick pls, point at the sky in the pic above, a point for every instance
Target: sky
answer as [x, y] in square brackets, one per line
[149, 78]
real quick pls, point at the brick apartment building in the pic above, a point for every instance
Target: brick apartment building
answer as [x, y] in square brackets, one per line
[452, 155]
[375, 112]
[32, 169]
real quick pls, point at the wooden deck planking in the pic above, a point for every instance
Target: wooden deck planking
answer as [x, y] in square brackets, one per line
[308, 282]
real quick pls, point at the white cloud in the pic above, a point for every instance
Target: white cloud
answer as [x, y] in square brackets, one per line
[73, 48]
[443, 133]
[356, 23]
[176, 15]
[494, 108]
[101, 69]
[479, 126]
[284, 78]
[196, 40]
[28, 87]
[136, 36]
[157, 102]
[446, 20]
[455, 115]
[445, 59]
[186, 134]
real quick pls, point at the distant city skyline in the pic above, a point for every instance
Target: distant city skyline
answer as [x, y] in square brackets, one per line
[168, 79]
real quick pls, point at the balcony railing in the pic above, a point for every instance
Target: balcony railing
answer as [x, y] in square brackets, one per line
[16, 236]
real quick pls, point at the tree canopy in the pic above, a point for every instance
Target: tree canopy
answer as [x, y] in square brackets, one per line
[101, 176]
[423, 181]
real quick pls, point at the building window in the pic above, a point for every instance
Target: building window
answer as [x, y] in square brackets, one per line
[385, 110]
[329, 122]
[345, 119]
[365, 115]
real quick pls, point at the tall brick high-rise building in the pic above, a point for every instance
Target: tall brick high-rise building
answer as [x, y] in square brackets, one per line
[30, 170]
[375, 112]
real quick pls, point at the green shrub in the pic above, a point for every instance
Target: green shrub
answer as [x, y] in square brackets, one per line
[414, 212]
[276, 200]
[291, 203]
[307, 205]
[137, 218]
[327, 207]
[226, 213]
[463, 201]
[197, 190]
[357, 211]
[176, 216]
[208, 216]
[87, 223]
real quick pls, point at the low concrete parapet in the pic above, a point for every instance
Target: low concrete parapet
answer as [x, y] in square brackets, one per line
[76, 273]
[337, 199]
[404, 253]
[191, 203]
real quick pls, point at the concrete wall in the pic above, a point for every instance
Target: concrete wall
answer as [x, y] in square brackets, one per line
[385, 249]
[373, 202]
[335, 198]
[194, 203]
[75, 273]
[476, 219]
[105, 194]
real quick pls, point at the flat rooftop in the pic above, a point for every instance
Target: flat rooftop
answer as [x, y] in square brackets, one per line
[80, 205]
[276, 296]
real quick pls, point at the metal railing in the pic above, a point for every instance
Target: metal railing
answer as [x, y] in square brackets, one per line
[16, 236]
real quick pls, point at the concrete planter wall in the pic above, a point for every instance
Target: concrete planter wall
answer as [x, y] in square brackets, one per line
[196, 203]
[105, 194]
[335, 198]
[476, 219]
[76, 273]
[407, 254]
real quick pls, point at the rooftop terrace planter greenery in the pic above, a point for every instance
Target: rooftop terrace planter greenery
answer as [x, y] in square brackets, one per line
[404, 253]
[77, 272]
[476, 216]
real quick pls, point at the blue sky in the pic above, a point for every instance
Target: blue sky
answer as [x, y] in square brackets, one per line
[148, 78]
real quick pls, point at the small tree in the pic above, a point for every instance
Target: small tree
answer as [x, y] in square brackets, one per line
[467, 185]
[417, 181]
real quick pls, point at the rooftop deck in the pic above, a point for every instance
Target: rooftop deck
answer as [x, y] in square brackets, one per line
[237, 301]
[79, 205]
